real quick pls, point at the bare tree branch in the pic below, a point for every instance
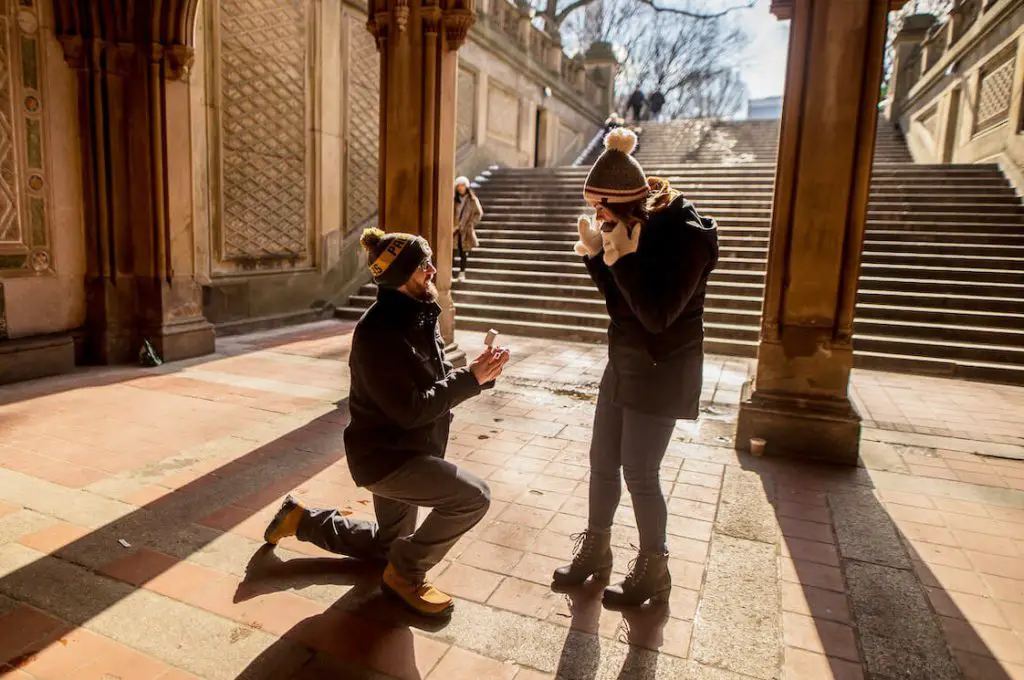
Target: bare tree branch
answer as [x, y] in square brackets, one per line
[559, 17]
[695, 15]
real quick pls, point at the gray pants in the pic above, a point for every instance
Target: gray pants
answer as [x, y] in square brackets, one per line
[458, 498]
[635, 443]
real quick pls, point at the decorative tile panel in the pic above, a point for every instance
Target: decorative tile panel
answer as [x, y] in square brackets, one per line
[995, 90]
[362, 179]
[24, 227]
[263, 84]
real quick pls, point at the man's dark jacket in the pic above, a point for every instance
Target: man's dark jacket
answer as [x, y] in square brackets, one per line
[403, 389]
[655, 298]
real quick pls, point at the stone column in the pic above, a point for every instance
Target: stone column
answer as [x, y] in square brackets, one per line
[418, 42]
[909, 39]
[604, 67]
[554, 55]
[798, 401]
[133, 104]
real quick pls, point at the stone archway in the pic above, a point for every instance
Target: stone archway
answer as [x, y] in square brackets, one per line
[799, 401]
[133, 58]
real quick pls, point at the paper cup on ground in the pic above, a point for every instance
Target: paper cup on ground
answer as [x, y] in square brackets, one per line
[757, 446]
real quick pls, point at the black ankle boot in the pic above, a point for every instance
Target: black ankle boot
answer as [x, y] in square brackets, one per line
[592, 556]
[648, 579]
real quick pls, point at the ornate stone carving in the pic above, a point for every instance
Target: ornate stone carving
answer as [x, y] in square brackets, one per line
[10, 222]
[457, 22]
[264, 139]
[24, 224]
[362, 179]
[995, 91]
[401, 14]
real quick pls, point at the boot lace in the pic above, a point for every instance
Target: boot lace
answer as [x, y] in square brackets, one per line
[637, 571]
[582, 547]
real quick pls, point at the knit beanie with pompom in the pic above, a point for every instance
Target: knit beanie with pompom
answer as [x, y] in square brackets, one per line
[616, 176]
[393, 258]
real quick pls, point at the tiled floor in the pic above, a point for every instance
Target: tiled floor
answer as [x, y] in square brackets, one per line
[132, 505]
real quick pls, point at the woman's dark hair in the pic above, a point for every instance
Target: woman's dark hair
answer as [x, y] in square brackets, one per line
[630, 212]
[469, 191]
[661, 195]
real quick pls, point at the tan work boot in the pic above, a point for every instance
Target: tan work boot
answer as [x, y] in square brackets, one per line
[285, 522]
[422, 598]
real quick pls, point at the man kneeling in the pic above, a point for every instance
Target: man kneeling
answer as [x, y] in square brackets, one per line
[401, 397]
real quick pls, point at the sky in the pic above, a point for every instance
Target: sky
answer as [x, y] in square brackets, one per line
[763, 64]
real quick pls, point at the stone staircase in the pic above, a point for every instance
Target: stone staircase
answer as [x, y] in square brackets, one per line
[942, 281]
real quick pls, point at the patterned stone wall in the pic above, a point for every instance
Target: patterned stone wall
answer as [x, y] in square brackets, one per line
[362, 179]
[465, 132]
[25, 243]
[263, 133]
[995, 91]
[502, 114]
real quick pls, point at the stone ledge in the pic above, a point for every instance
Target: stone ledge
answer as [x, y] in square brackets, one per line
[36, 357]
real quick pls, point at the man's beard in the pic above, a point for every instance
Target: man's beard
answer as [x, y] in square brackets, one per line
[427, 293]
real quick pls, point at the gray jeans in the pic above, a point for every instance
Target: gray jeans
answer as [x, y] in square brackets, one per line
[458, 500]
[634, 443]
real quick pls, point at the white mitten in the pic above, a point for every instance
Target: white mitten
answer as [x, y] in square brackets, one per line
[590, 238]
[620, 242]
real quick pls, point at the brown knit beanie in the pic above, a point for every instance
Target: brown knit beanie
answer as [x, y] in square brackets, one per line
[616, 176]
[393, 258]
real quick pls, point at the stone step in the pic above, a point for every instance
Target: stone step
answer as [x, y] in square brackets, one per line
[939, 296]
[754, 258]
[563, 241]
[894, 212]
[953, 200]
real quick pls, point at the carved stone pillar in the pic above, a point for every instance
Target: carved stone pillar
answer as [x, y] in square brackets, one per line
[909, 39]
[554, 55]
[133, 61]
[524, 27]
[418, 42]
[604, 67]
[799, 401]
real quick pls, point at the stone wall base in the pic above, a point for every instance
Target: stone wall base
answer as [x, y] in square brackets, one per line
[36, 357]
[825, 431]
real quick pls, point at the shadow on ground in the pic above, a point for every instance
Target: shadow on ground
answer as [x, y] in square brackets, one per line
[880, 588]
[364, 629]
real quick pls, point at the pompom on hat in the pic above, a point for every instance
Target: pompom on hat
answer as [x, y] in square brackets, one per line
[616, 176]
[393, 258]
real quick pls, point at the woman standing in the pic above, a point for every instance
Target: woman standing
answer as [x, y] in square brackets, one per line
[468, 214]
[650, 257]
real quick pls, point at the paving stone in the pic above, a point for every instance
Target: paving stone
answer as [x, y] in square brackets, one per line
[865, 531]
[75, 506]
[740, 602]
[22, 523]
[899, 634]
[190, 638]
[882, 456]
[744, 510]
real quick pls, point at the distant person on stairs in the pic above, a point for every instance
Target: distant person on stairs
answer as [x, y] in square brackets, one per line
[650, 254]
[636, 103]
[657, 104]
[468, 214]
[401, 397]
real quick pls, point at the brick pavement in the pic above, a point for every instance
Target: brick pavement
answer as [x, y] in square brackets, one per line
[909, 566]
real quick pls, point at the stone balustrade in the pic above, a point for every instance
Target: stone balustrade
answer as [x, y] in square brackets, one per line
[515, 21]
[956, 86]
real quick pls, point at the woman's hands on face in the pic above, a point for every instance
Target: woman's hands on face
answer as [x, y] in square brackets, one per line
[619, 241]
